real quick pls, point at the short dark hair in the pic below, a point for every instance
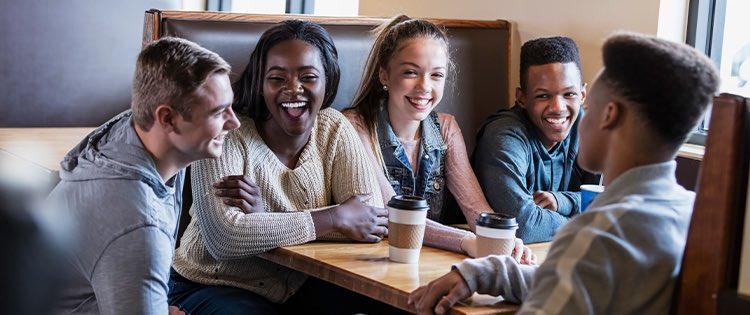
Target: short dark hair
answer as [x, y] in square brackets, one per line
[542, 51]
[168, 71]
[248, 89]
[670, 84]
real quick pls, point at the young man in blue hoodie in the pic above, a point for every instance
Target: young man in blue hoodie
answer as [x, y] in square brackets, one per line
[525, 157]
[122, 185]
[623, 255]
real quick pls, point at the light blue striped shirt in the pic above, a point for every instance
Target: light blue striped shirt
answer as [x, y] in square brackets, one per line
[622, 256]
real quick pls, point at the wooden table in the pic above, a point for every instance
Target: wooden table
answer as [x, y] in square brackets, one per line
[30, 157]
[44, 147]
[365, 268]
[362, 268]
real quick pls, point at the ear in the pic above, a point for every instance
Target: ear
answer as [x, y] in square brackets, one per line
[164, 116]
[520, 97]
[612, 116]
[383, 76]
[584, 92]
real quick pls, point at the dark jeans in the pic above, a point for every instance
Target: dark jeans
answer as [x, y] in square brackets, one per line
[195, 298]
[314, 297]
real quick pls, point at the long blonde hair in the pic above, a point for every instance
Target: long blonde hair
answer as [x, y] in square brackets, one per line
[370, 94]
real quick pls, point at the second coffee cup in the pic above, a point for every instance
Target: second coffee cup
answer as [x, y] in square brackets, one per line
[496, 234]
[407, 216]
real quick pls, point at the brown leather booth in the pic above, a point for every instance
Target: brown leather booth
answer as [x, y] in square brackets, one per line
[480, 50]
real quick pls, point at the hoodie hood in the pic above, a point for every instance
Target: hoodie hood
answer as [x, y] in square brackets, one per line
[113, 151]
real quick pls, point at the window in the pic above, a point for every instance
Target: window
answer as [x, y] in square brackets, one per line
[719, 28]
[316, 7]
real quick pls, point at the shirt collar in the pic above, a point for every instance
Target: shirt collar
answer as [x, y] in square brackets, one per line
[652, 179]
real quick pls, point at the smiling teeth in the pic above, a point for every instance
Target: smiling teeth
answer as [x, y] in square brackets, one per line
[420, 102]
[555, 120]
[293, 104]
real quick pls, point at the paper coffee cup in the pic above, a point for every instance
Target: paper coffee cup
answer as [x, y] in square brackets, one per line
[588, 193]
[407, 216]
[496, 234]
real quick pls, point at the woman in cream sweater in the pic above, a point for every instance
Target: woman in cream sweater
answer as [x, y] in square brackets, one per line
[313, 181]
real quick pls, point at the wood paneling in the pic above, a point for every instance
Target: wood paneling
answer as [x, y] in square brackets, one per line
[270, 18]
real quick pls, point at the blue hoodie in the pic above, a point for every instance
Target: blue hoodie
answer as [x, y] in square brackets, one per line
[125, 218]
[511, 164]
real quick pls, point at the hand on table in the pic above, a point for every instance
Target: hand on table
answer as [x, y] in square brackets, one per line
[241, 192]
[359, 221]
[441, 294]
[545, 200]
[521, 253]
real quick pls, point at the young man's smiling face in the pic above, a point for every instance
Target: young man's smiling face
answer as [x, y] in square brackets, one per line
[552, 98]
[211, 119]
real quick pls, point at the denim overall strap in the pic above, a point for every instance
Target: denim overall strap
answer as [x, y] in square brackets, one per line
[396, 166]
[431, 173]
[429, 180]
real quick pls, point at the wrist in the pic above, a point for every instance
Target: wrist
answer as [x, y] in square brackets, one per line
[467, 243]
[333, 215]
[323, 222]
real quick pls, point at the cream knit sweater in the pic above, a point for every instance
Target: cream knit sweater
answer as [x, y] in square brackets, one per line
[221, 242]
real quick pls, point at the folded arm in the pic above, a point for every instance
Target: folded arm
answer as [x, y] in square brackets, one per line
[228, 232]
[501, 162]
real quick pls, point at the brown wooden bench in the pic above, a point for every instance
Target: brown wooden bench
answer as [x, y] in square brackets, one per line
[710, 267]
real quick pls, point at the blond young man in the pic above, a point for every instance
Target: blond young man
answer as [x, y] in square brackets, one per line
[122, 185]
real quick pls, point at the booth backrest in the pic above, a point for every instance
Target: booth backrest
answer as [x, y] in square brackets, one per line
[480, 50]
[711, 265]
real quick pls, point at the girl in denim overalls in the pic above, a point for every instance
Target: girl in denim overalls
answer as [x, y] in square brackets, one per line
[415, 150]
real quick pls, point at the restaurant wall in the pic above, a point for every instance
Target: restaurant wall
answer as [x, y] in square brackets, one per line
[68, 63]
[588, 22]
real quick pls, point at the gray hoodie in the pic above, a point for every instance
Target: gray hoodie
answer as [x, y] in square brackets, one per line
[125, 218]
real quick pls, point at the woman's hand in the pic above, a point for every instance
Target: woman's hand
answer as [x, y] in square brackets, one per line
[358, 221]
[523, 254]
[469, 245]
[240, 191]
